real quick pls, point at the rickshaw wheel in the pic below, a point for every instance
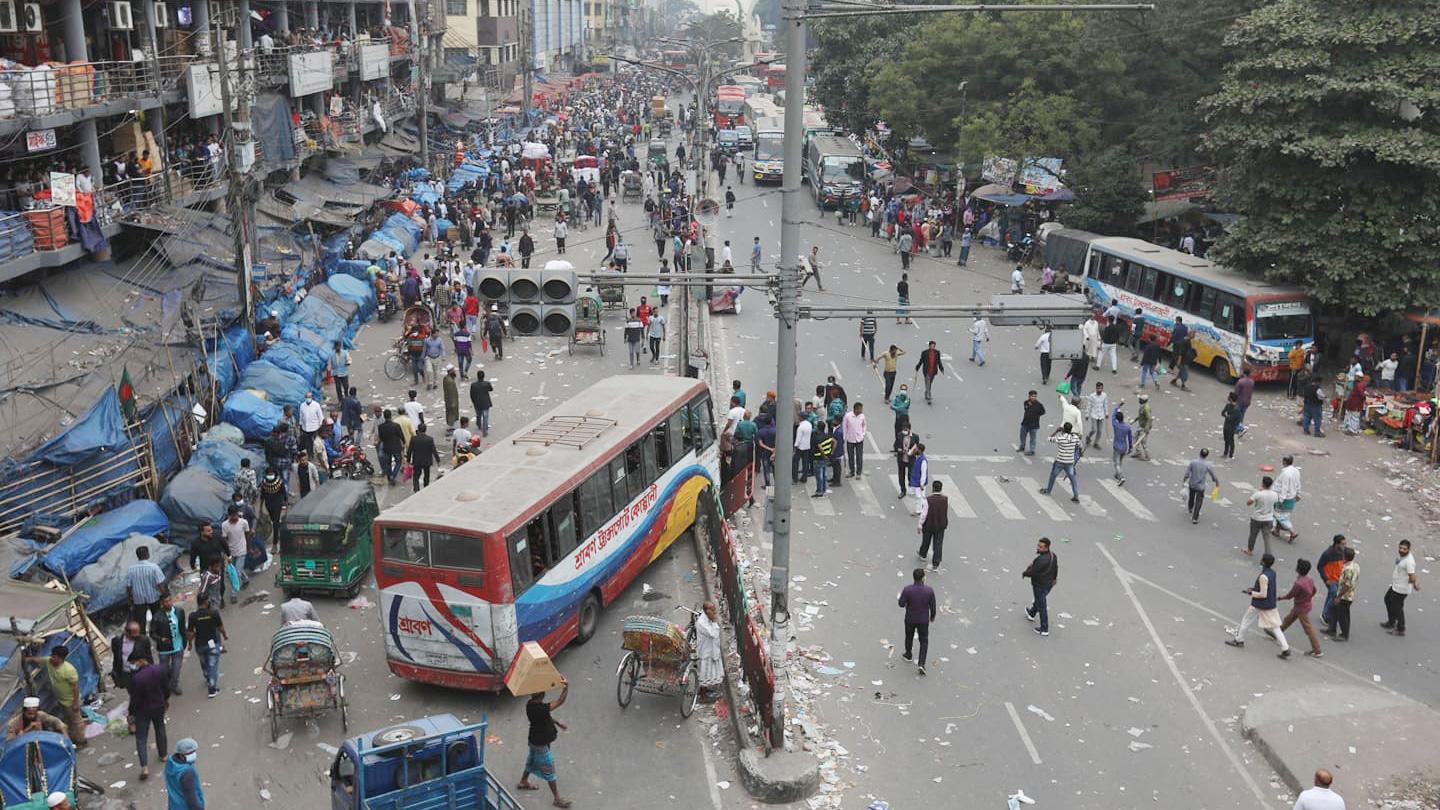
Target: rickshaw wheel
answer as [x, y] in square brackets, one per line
[689, 690]
[626, 678]
[274, 723]
[84, 785]
[602, 342]
[395, 367]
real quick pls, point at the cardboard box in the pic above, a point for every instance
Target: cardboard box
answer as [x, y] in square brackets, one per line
[532, 671]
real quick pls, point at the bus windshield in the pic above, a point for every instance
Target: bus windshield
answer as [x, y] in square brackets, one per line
[841, 169]
[727, 105]
[770, 146]
[1286, 325]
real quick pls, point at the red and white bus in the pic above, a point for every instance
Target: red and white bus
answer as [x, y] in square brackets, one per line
[528, 541]
[729, 106]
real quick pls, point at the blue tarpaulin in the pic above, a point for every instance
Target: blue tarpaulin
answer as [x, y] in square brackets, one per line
[100, 429]
[104, 580]
[97, 534]
[281, 387]
[200, 492]
[356, 290]
[255, 416]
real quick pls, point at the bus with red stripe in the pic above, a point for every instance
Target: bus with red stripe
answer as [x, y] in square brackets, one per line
[729, 106]
[532, 538]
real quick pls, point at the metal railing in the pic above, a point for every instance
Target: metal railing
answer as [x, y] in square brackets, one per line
[56, 88]
[129, 198]
[345, 55]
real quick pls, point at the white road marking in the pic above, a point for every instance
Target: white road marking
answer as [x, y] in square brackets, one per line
[869, 504]
[1046, 503]
[1007, 507]
[958, 504]
[962, 459]
[874, 445]
[835, 369]
[1127, 500]
[1261, 799]
[878, 279]
[1091, 507]
[1024, 735]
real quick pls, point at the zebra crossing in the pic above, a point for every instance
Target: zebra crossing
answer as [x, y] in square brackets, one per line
[980, 497]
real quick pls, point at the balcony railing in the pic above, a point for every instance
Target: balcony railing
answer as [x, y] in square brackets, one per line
[50, 89]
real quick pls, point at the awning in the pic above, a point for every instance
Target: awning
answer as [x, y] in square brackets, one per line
[1006, 200]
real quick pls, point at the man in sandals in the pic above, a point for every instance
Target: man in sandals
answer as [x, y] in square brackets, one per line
[544, 729]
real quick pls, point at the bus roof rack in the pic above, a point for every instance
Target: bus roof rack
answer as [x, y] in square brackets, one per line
[571, 431]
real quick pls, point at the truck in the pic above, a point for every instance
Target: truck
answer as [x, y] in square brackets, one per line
[435, 762]
[835, 168]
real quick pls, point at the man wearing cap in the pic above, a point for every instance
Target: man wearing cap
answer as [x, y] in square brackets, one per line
[452, 397]
[182, 783]
[31, 718]
[65, 688]
[58, 801]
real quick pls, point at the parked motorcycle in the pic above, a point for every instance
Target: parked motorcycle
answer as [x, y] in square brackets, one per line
[352, 463]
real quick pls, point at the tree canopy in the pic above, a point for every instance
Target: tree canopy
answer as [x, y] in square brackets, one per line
[1327, 122]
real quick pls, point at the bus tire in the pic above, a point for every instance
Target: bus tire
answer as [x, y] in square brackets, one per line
[588, 620]
[1223, 372]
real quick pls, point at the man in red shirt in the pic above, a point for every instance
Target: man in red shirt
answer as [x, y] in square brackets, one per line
[1303, 592]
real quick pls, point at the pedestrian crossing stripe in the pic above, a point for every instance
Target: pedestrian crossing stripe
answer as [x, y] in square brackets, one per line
[1046, 503]
[990, 485]
[1127, 500]
[1000, 493]
[958, 505]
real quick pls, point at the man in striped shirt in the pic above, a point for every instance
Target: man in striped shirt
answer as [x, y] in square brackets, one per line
[143, 582]
[867, 336]
[1067, 455]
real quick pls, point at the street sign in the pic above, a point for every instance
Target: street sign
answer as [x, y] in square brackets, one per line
[40, 140]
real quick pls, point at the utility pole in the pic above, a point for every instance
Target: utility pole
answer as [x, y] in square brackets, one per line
[527, 60]
[238, 195]
[164, 119]
[788, 304]
[959, 153]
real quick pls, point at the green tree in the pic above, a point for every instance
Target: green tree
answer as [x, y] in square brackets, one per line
[1109, 195]
[718, 28]
[1032, 123]
[1327, 122]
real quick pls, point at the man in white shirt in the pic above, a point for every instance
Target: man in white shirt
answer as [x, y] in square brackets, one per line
[737, 412]
[85, 184]
[725, 255]
[1097, 413]
[1320, 797]
[1017, 280]
[1262, 513]
[1403, 582]
[1287, 493]
[1387, 370]
[414, 409]
[312, 416]
[800, 462]
[979, 333]
[1187, 244]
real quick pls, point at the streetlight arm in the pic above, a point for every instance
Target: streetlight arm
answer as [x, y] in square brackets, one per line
[859, 10]
[653, 66]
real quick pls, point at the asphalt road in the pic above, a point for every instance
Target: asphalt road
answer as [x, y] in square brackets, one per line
[1133, 698]
[1135, 657]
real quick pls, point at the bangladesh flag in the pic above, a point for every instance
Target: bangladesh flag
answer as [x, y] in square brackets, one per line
[127, 397]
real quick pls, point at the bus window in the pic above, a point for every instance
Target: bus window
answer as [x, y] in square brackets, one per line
[679, 435]
[595, 507]
[456, 551]
[659, 442]
[406, 546]
[647, 450]
[635, 469]
[1205, 306]
[562, 529]
[619, 488]
[1133, 272]
[521, 574]
[1230, 313]
[1176, 291]
[540, 559]
[703, 421]
[686, 434]
[1148, 281]
[1114, 271]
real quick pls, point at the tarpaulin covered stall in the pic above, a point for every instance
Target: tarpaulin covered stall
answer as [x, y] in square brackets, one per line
[200, 493]
[96, 535]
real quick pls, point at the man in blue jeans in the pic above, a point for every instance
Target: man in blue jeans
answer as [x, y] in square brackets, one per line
[1328, 565]
[1312, 407]
[1042, 572]
[204, 635]
[1030, 423]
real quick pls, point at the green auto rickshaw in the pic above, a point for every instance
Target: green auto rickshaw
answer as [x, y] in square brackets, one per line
[658, 156]
[325, 539]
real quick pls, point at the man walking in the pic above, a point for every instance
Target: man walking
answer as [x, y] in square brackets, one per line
[1262, 514]
[800, 460]
[1150, 362]
[527, 247]
[1287, 494]
[1109, 340]
[1312, 407]
[1143, 422]
[390, 446]
[1124, 442]
[167, 637]
[1097, 413]
[1195, 474]
[1042, 345]
[1244, 392]
[1345, 597]
[422, 456]
[1303, 594]
[205, 635]
[868, 328]
[1403, 581]
[1067, 453]
[1043, 572]
[1262, 610]
[918, 601]
[656, 330]
[919, 475]
[929, 365]
[979, 333]
[480, 392]
[634, 333]
[1030, 423]
[143, 582]
[853, 427]
[934, 520]
[1330, 564]
[755, 255]
[543, 733]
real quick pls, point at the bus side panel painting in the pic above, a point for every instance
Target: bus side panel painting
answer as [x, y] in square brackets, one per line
[611, 558]
[434, 625]
[1206, 341]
